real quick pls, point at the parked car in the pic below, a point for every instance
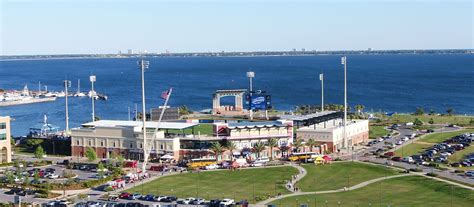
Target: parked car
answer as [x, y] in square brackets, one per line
[134, 196]
[52, 176]
[227, 202]
[469, 173]
[398, 159]
[389, 154]
[186, 201]
[198, 201]
[211, 167]
[124, 195]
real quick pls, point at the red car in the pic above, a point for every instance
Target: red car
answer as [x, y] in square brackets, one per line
[124, 195]
[398, 159]
[389, 154]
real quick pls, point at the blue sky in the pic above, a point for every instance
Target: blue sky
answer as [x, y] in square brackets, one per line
[76, 27]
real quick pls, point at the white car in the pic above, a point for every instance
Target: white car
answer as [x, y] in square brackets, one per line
[160, 198]
[380, 139]
[256, 164]
[212, 167]
[227, 202]
[399, 142]
[405, 139]
[52, 176]
[188, 200]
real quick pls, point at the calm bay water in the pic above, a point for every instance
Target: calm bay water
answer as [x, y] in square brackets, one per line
[380, 82]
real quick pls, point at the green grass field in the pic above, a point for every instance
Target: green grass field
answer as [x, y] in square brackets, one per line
[201, 128]
[377, 131]
[403, 191]
[339, 175]
[240, 184]
[427, 141]
[458, 120]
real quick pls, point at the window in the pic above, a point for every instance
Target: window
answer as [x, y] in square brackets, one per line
[101, 143]
[161, 146]
[90, 143]
[114, 144]
[131, 145]
[3, 125]
[77, 142]
[141, 145]
[3, 136]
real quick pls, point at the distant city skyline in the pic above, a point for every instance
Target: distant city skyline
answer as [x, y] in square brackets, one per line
[104, 27]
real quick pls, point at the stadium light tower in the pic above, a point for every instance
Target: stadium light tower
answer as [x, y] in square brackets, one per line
[250, 75]
[321, 78]
[92, 78]
[344, 62]
[144, 65]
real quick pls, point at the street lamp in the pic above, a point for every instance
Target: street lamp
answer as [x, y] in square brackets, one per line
[250, 75]
[67, 84]
[144, 65]
[92, 78]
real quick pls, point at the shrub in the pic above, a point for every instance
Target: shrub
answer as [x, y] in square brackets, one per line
[416, 170]
[432, 174]
[38, 195]
[108, 189]
[459, 171]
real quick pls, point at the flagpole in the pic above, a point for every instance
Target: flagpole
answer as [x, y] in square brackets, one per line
[159, 123]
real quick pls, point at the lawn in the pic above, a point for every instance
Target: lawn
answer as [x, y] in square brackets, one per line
[340, 174]
[426, 142]
[377, 131]
[459, 155]
[204, 129]
[240, 184]
[403, 191]
[458, 120]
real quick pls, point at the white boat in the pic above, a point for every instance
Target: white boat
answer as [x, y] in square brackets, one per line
[79, 93]
[49, 94]
[92, 94]
[61, 94]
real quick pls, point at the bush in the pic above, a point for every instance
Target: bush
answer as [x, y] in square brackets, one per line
[432, 174]
[459, 171]
[338, 159]
[416, 170]
[108, 189]
[38, 195]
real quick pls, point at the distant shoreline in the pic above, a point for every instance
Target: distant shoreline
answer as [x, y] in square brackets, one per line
[237, 54]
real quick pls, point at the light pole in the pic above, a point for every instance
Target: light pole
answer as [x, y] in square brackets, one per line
[67, 84]
[321, 78]
[344, 62]
[144, 65]
[250, 75]
[92, 78]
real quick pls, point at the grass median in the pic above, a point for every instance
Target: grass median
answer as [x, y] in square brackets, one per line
[377, 131]
[427, 141]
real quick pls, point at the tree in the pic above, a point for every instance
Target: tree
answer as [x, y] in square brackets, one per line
[10, 177]
[311, 143]
[32, 143]
[36, 176]
[272, 142]
[298, 144]
[359, 108]
[450, 111]
[217, 149]
[258, 148]
[231, 147]
[100, 170]
[418, 122]
[431, 121]
[471, 122]
[91, 154]
[184, 110]
[419, 111]
[39, 152]
[119, 159]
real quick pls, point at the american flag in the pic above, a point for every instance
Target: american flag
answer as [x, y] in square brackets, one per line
[165, 94]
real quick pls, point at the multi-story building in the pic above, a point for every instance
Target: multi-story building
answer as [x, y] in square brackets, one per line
[5, 142]
[179, 139]
[126, 138]
[329, 134]
[244, 136]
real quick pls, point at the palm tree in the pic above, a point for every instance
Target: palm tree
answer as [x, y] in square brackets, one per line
[298, 144]
[258, 148]
[231, 147]
[272, 142]
[217, 149]
[283, 149]
[359, 108]
[311, 143]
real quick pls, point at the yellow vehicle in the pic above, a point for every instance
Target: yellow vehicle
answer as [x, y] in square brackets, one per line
[302, 156]
[201, 162]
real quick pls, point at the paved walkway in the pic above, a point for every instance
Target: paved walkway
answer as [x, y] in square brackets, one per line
[301, 173]
[360, 185]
